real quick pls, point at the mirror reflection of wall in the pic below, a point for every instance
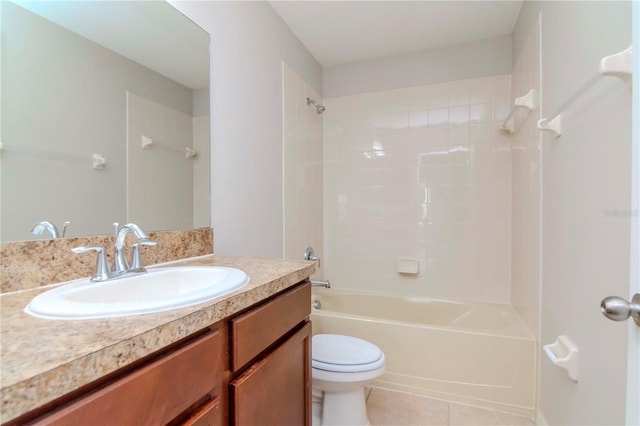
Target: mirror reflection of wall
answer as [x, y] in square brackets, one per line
[64, 99]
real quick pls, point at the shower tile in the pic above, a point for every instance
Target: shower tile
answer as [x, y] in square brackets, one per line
[458, 96]
[438, 136]
[402, 166]
[387, 407]
[459, 135]
[459, 115]
[459, 154]
[501, 109]
[480, 91]
[460, 415]
[399, 120]
[480, 134]
[418, 118]
[480, 113]
[438, 97]
[438, 117]
[435, 155]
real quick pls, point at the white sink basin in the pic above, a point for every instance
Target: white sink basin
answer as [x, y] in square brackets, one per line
[160, 289]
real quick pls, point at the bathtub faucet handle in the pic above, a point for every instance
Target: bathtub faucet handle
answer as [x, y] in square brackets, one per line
[310, 255]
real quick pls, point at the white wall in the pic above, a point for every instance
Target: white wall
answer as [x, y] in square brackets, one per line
[422, 173]
[480, 58]
[586, 177]
[249, 42]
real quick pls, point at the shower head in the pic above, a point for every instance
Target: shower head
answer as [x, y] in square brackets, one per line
[319, 108]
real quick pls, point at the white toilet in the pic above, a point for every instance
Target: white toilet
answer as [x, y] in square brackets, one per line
[341, 367]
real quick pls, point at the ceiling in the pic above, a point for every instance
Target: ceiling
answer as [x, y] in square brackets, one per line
[341, 32]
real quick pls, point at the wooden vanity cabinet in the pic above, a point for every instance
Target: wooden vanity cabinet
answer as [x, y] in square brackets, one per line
[276, 389]
[185, 383]
[271, 362]
[250, 369]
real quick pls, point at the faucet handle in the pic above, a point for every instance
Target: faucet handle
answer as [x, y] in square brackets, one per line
[136, 259]
[102, 267]
[310, 255]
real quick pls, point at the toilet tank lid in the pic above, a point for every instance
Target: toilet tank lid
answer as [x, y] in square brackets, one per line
[344, 350]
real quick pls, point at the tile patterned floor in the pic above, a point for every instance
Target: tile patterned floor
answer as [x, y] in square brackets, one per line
[391, 408]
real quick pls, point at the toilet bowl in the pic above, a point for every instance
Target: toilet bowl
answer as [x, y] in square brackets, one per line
[341, 367]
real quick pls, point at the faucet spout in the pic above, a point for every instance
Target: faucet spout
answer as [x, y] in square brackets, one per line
[320, 283]
[43, 226]
[121, 264]
[125, 229]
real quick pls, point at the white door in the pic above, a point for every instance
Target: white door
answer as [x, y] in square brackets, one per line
[633, 386]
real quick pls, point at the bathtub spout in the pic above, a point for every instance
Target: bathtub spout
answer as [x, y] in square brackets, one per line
[320, 283]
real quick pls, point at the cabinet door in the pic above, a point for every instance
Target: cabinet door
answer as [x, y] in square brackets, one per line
[152, 395]
[250, 334]
[276, 390]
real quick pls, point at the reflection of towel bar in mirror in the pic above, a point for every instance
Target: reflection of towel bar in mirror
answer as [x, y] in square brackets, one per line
[147, 143]
[71, 113]
[98, 161]
[618, 65]
[527, 102]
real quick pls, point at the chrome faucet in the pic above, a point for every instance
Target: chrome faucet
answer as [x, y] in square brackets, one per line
[320, 283]
[43, 226]
[120, 265]
[49, 227]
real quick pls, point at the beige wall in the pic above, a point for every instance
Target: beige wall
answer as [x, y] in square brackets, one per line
[479, 58]
[585, 177]
[303, 186]
[249, 42]
[421, 173]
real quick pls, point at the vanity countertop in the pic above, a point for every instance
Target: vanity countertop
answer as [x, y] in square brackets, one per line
[42, 360]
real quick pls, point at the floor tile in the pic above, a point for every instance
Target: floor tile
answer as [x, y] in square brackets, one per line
[390, 408]
[462, 415]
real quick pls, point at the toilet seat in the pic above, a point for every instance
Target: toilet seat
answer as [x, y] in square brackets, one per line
[345, 354]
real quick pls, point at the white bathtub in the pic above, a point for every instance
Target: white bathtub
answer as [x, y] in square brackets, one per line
[475, 353]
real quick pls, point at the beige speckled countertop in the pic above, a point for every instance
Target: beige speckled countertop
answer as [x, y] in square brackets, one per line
[42, 360]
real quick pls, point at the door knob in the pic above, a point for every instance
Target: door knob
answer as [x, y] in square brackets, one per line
[618, 309]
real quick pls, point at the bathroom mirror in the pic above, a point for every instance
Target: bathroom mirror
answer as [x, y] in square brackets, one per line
[105, 117]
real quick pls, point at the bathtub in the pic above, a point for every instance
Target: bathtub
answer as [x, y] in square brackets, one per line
[475, 353]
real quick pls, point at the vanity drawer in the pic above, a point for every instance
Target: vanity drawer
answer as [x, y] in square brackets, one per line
[155, 394]
[256, 330]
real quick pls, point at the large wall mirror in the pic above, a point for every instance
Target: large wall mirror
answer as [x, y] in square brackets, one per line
[105, 117]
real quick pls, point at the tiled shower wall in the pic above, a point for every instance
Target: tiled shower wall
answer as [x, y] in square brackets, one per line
[422, 173]
[302, 169]
[525, 188]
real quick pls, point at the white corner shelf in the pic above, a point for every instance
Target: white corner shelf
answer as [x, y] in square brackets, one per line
[527, 102]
